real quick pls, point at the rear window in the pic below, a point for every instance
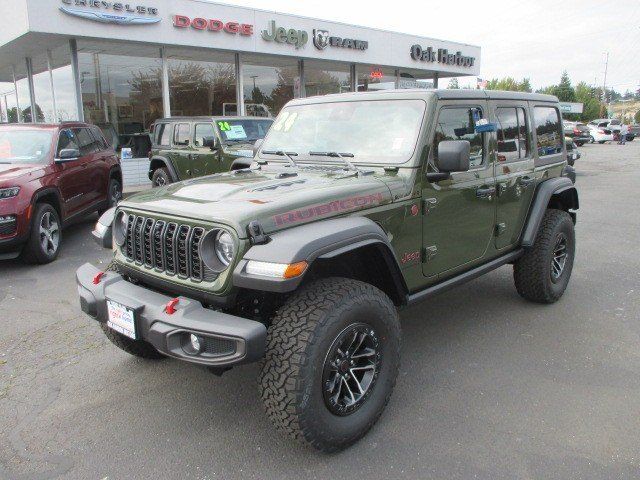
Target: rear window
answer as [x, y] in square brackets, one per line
[162, 134]
[548, 130]
[181, 135]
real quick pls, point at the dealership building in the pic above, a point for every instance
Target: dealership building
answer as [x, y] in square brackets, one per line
[130, 63]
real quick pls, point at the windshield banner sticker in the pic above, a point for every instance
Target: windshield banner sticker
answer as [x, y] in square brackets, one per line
[346, 205]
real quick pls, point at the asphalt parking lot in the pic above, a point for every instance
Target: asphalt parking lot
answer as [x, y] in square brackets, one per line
[491, 387]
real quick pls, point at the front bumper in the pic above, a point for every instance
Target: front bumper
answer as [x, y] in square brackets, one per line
[235, 340]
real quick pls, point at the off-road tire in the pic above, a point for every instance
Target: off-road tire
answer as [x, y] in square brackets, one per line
[298, 342]
[33, 252]
[160, 177]
[138, 348]
[532, 272]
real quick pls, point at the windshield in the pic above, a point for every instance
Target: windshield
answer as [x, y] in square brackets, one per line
[25, 146]
[233, 131]
[372, 131]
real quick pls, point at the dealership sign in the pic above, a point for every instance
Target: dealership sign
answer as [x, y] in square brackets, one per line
[111, 12]
[212, 25]
[441, 55]
[322, 39]
[291, 36]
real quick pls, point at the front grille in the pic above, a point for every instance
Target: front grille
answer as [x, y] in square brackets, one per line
[219, 346]
[166, 247]
[8, 227]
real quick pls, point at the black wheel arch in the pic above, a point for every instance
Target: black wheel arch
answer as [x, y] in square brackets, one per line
[351, 247]
[52, 196]
[116, 173]
[163, 162]
[559, 193]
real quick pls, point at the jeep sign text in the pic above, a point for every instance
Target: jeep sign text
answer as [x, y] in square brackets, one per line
[297, 38]
[442, 55]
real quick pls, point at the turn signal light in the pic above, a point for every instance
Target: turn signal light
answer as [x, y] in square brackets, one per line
[276, 270]
[295, 269]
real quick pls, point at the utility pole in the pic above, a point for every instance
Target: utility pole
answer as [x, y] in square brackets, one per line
[604, 84]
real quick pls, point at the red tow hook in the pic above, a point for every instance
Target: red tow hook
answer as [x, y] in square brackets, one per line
[98, 277]
[170, 308]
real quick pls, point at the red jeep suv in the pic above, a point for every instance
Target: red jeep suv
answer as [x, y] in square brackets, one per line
[49, 176]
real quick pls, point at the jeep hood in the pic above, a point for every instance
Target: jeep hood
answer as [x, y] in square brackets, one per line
[278, 198]
[10, 172]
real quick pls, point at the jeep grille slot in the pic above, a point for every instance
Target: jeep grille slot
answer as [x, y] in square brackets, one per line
[166, 247]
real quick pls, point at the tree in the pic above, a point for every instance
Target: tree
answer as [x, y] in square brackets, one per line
[564, 91]
[453, 84]
[637, 117]
[525, 86]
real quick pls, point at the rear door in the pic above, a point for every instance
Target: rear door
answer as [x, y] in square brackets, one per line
[459, 211]
[514, 169]
[181, 154]
[94, 175]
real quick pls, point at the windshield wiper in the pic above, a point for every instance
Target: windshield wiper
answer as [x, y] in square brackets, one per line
[281, 153]
[341, 156]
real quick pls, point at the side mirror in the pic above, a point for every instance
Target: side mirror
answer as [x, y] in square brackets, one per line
[102, 234]
[453, 156]
[257, 145]
[210, 142]
[68, 155]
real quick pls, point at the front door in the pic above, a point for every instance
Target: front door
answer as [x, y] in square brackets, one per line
[181, 154]
[205, 161]
[459, 212]
[73, 181]
[515, 177]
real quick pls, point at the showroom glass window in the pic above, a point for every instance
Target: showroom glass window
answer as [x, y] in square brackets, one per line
[548, 130]
[513, 141]
[371, 78]
[7, 102]
[199, 87]
[459, 123]
[122, 91]
[322, 78]
[269, 83]
[63, 84]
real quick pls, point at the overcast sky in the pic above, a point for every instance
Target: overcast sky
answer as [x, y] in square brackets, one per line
[535, 39]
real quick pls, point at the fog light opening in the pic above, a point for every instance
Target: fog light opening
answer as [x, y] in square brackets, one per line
[196, 344]
[192, 344]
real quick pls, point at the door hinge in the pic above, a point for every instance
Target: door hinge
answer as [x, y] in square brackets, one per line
[501, 228]
[428, 253]
[428, 204]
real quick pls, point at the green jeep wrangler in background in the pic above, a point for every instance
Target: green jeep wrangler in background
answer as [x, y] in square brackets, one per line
[189, 147]
[356, 205]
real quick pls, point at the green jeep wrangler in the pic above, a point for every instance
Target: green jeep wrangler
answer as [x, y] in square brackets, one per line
[189, 147]
[356, 205]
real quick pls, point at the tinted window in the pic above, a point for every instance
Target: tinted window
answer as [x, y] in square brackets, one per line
[181, 135]
[68, 140]
[163, 134]
[100, 140]
[243, 130]
[459, 124]
[550, 136]
[203, 130]
[86, 141]
[513, 141]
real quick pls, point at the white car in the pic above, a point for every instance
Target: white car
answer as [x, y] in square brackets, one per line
[600, 131]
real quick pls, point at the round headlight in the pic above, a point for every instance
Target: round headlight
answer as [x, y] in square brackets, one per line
[225, 248]
[120, 228]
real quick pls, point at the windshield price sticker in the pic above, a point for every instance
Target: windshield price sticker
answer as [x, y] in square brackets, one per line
[236, 132]
[224, 126]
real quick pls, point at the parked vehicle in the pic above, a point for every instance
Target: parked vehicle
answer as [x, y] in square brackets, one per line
[573, 153]
[190, 147]
[579, 132]
[356, 205]
[50, 175]
[600, 131]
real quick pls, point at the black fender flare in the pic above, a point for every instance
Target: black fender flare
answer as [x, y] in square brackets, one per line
[50, 191]
[319, 240]
[563, 189]
[117, 169]
[167, 163]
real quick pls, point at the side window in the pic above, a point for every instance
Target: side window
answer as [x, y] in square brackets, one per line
[202, 131]
[67, 140]
[513, 140]
[181, 134]
[86, 141]
[458, 123]
[101, 142]
[163, 134]
[549, 130]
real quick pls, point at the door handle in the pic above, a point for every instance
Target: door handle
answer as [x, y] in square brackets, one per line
[526, 181]
[486, 192]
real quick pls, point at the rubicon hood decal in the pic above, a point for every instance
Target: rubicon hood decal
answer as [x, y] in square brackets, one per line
[109, 17]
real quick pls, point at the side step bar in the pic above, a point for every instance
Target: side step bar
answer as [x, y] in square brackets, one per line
[464, 277]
